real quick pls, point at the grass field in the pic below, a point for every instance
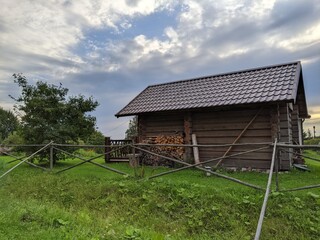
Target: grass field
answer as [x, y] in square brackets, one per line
[89, 202]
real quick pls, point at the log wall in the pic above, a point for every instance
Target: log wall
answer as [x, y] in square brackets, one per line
[223, 127]
[286, 134]
[153, 125]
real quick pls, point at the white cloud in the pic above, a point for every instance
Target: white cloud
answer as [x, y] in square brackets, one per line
[308, 37]
[191, 17]
[233, 52]
[51, 38]
[54, 28]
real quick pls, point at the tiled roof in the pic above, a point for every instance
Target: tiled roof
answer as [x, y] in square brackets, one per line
[259, 85]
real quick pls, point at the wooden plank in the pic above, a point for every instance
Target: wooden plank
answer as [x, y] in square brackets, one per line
[164, 128]
[203, 126]
[195, 149]
[240, 135]
[230, 113]
[160, 119]
[234, 133]
[187, 125]
[107, 149]
[264, 157]
[248, 164]
[226, 140]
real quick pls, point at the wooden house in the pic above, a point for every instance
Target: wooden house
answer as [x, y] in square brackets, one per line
[249, 106]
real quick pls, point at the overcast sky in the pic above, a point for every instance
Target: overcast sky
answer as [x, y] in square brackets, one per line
[112, 50]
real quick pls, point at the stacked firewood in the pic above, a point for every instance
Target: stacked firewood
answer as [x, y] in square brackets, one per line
[168, 151]
[176, 152]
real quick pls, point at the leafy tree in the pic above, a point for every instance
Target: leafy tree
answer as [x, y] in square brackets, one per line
[14, 138]
[309, 134]
[304, 135]
[8, 123]
[96, 138]
[132, 130]
[48, 115]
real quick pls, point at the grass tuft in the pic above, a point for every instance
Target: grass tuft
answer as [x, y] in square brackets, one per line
[88, 202]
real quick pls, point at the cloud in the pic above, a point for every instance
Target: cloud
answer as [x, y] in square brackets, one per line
[114, 49]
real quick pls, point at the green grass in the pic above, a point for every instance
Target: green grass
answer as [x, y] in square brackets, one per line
[89, 202]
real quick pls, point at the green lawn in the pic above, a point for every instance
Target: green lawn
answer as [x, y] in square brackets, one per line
[89, 202]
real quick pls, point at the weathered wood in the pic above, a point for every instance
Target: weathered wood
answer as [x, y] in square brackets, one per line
[234, 133]
[51, 157]
[141, 128]
[258, 156]
[274, 123]
[240, 135]
[297, 146]
[220, 127]
[26, 159]
[195, 149]
[266, 196]
[119, 152]
[107, 142]
[87, 161]
[285, 134]
[229, 114]
[20, 159]
[228, 140]
[225, 125]
[133, 158]
[200, 168]
[208, 145]
[301, 188]
[187, 135]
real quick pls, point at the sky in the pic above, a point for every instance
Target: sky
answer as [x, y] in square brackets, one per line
[112, 50]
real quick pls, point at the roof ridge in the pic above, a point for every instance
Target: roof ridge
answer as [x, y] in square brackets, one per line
[226, 73]
[273, 83]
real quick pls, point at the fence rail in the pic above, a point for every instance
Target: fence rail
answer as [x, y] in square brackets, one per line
[121, 148]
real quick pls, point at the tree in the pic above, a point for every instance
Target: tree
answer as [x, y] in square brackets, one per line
[8, 123]
[14, 138]
[96, 138]
[304, 135]
[132, 130]
[309, 134]
[48, 115]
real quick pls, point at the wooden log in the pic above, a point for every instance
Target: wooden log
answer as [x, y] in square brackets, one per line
[240, 135]
[195, 149]
[266, 196]
[107, 142]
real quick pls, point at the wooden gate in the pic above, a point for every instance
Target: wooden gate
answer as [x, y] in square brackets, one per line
[118, 153]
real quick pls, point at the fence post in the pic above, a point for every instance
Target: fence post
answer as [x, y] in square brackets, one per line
[268, 190]
[51, 157]
[107, 143]
[134, 151]
[277, 170]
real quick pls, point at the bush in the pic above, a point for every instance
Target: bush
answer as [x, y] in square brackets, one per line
[14, 138]
[312, 141]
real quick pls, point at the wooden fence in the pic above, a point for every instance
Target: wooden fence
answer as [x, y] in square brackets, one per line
[115, 150]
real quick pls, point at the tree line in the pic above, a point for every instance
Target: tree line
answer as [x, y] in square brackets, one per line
[47, 113]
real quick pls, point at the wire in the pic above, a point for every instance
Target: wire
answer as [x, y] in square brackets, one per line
[116, 127]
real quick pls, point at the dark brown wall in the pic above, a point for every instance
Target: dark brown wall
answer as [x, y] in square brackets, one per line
[223, 127]
[152, 125]
[295, 128]
[286, 134]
